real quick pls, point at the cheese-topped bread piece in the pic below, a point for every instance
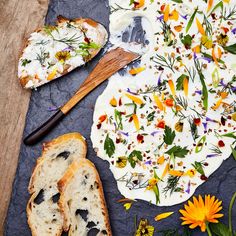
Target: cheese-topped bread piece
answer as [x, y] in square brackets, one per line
[43, 213]
[53, 51]
[82, 201]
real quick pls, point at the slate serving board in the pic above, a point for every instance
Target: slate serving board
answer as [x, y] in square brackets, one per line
[222, 183]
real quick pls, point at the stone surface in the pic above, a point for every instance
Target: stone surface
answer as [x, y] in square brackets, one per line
[222, 183]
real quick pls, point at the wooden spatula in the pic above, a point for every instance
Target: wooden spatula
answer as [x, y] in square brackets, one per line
[112, 62]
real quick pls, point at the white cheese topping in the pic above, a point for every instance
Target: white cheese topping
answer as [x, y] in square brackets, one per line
[129, 115]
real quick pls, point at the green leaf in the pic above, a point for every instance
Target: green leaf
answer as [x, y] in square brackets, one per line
[151, 116]
[219, 4]
[24, 62]
[204, 91]
[187, 41]
[134, 156]
[210, 57]
[200, 144]
[231, 48]
[169, 135]
[198, 167]
[177, 1]
[178, 151]
[109, 146]
[118, 119]
[220, 229]
[180, 80]
[233, 152]
[191, 20]
[229, 135]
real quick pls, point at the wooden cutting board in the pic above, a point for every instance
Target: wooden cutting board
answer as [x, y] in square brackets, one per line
[17, 19]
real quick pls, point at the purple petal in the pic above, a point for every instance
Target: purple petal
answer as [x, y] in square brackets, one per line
[211, 120]
[195, 55]
[222, 83]
[155, 132]
[115, 125]
[205, 126]
[129, 91]
[126, 134]
[52, 108]
[184, 17]
[198, 92]
[159, 79]
[206, 59]
[233, 30]
[212, 155]
[233, 89]
[148, 162]
[161, 17]
[188, 188]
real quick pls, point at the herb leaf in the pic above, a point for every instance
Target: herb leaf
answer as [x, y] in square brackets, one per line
[233, 152]
[178, 151]
[220, 229]
[198, 167]
[134, 156]
[178, 1]
[109, 146]
[24, 62]
[191, 20]
[187, 41]
[118, 119]
[169, 135]
[180, 80]
[231, 48]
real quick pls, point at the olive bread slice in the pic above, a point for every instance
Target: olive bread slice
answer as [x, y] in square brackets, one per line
[44, 217]
[82, 201]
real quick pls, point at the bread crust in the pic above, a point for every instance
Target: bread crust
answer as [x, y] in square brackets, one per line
[68, 176]
[60, 19]
[48, 145]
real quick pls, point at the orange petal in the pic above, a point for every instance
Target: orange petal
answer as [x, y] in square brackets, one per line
[172, 87]
[209, 5]
[136, 121]
[158, 102]
[166, 13]
[134, 99]
[135, 71]
[52, 75]
[200, 27]
[185, 86]
[163, 215]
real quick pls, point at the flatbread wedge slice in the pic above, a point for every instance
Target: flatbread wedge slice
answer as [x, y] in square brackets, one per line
[44, 216]
[53, 51]
[82, 201]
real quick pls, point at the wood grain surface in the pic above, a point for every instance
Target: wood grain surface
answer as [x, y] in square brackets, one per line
[17, 20]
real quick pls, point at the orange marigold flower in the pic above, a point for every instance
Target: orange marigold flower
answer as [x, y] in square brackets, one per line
[201, 212]
[161, 124]
[169, 102]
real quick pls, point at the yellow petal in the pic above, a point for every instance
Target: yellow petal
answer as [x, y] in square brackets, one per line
[52, 75]
[158, 102]
[161, 160]
[127, 205]
[176, 172]
[200, 27]
[163, 215]
[134, 99]
[197, 49]
[217, 105]
[185, 85]
[174, 15]
[166, 13]
[140, 4]
[172, 87]
[136, 121]
[209, 5]
[135, 71]
[113, 102]
[165, 171]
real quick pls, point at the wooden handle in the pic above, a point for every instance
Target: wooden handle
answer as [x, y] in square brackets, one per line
[40, 132]
[112, 62]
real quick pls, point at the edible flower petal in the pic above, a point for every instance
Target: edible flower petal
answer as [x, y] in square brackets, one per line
[163, 215]
[200, 212]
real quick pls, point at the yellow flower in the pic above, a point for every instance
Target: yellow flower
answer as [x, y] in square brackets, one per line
[62, 56]
[191, 172]
[144, 229]
[152, 183]
[163, 215]
[127, 205]
[200, 213]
